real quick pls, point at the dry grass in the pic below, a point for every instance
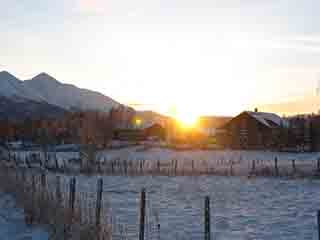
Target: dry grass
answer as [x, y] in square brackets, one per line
[44, 206]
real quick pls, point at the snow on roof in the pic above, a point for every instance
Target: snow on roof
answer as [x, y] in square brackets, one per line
[269, 119]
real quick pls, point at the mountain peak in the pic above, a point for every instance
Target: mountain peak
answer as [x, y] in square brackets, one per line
[45, 88]
[4, 72]
[7, 76]
[45, 77]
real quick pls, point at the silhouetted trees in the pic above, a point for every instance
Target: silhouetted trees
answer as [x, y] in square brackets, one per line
[79, 127]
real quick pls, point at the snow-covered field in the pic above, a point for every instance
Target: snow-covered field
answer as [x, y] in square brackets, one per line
[12, 225]
[222, 162]
[241, 208]
[219, 161]
[62, 159]
[138, 153]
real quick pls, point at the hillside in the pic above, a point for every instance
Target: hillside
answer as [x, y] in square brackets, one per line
[69, 96]
[20, 109]
[44, 96]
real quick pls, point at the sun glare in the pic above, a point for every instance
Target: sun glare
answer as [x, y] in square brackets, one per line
[186, 117]
[187, 120]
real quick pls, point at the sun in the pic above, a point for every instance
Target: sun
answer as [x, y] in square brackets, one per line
[185, 117]
[186, 120]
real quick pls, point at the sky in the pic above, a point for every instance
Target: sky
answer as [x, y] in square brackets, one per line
[204, 57]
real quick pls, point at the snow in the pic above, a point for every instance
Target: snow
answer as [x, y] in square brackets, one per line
[264, 117]
[63, 159]
[45, 88]
[138, 153]
[12, 225]
[12, 87]
[217, 161]
[69, 96]
[241, 208]
[214, 161]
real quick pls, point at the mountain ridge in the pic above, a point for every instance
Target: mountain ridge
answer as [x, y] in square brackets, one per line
[12, 87]
[69, 96]
[44, 87]
[45, 96]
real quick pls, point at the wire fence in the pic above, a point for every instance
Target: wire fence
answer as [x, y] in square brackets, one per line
[72, 213]
[275, 167]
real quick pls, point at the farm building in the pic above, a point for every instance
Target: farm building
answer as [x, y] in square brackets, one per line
[305, 131]
[253, 130]
[154, 131]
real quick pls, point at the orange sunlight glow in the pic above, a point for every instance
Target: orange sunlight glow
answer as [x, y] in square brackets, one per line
[185, 115]
[186, 120]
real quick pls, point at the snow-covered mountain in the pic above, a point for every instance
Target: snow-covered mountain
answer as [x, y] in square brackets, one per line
[68, 96]
[44, 88]
[11, 87]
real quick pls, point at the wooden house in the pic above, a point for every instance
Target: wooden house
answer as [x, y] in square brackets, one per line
[253, 130]
[155, 131]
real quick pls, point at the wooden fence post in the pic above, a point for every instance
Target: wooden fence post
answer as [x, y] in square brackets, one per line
[99, 201]
[112, 166]
[99, 166]
[231, 168]
[140, 163]
[33, 197]
[142, 214]
[176, 167]
[43, 182]
[58, 190]
[294, 166]
[33, 184]
[15, 160]
[158, 227]
[72, 193]
[207, 230]
[158, 166]
[26, 159]
[125, 167]
[276, 166]
[192, 166]
[318, 221]
[253, 169]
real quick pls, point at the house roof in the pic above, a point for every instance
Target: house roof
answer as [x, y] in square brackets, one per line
[269, 119]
